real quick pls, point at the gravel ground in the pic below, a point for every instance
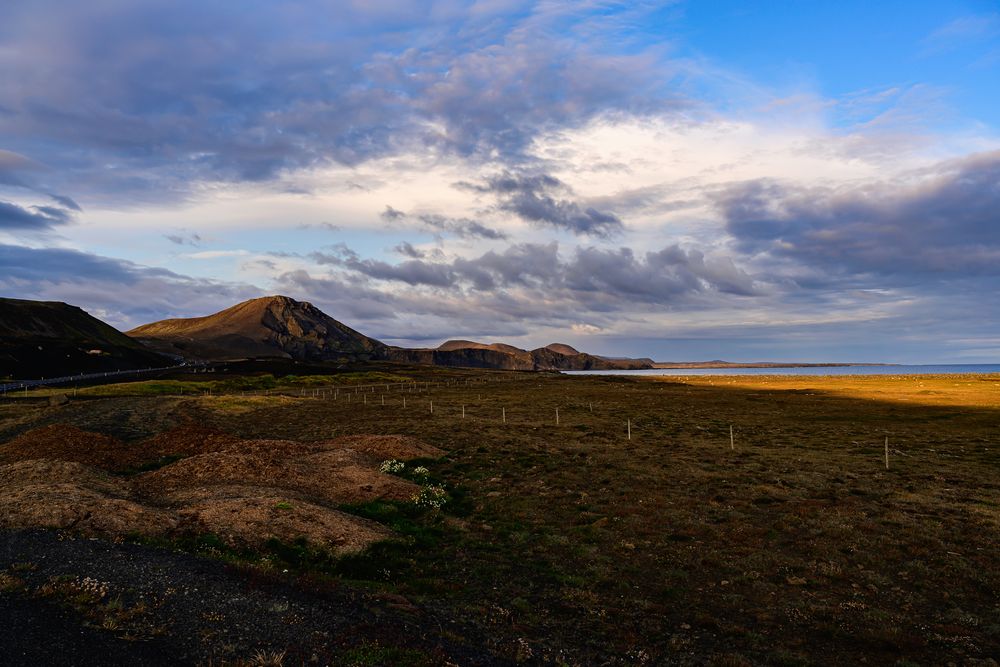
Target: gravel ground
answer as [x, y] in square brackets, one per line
[170, 607]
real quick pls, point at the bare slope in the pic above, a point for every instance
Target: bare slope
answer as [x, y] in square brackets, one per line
[269, 326]
[50, 338]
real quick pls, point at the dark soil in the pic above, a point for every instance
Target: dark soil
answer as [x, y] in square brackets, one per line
[195, 610]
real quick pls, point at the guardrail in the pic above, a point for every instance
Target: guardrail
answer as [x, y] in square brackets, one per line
[42, 382]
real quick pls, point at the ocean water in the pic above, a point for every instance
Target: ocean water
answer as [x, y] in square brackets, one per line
[929, 369]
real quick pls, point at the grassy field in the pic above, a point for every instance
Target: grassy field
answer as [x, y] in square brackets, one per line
[787, 543]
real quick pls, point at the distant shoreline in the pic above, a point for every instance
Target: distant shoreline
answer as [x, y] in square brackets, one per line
[757, 364]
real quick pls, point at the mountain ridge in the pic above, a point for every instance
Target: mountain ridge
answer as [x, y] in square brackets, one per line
[49, 338]
[281, 326]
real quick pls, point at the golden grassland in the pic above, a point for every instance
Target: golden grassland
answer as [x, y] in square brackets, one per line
[571, 543]
[971, 390]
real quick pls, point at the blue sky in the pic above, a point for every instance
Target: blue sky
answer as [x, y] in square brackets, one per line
[680, 180]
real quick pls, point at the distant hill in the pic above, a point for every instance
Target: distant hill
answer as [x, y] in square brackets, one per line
[273, 326]
[562, 348]
[468, 353]
[52, 339]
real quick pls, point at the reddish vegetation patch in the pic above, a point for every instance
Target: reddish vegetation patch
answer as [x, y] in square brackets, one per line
[69, 443]
[250, 521]
[335, 477]
[187, 440]
[385, 447]
[246, 491]
[345, 476]
[60, 494]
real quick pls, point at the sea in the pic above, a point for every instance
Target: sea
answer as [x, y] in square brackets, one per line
[929, 369]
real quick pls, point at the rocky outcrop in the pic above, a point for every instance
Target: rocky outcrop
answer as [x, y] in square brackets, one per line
[470, 354]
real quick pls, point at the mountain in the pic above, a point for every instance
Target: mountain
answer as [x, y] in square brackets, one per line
[281, 326]
[53, 339]
[556, 356]
[274, 326]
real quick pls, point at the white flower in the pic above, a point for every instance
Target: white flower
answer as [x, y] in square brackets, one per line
[431, 496]
[392, 466]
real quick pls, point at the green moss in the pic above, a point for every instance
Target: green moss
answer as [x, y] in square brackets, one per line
[377, 655]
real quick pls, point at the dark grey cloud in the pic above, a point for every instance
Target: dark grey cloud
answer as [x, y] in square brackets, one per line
[65, 202]
[520, 265]
[61, 265]
[122, 293]
[658, 276]
[328, 226]
[20, 172]
[412, 272]
[390, 214]
[521, 289]
[132, 100]
[461, 227]
[190, 239]
[941, 221]
[590, 274]
[406, 248]
[31, 218]
[543, 199]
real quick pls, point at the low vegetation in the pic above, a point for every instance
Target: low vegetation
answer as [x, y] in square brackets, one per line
[790, 543]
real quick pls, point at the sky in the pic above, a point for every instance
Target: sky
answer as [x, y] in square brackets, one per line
[749, 181]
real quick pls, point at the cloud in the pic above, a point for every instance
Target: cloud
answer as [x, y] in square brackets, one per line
[32, 218]
[461, 227]
[524, 290]
[658, 277]
[961, 31]
[172, 99]
[535, 198]
[390, 214]
[328, 226]
[62, 265]
[18, 171]
[944, 220]
[65, 202]
[412, 272]
[13, 166]
[590, 274]
[218, 254]
[406, 248]
[190, 239]
[122, 293]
